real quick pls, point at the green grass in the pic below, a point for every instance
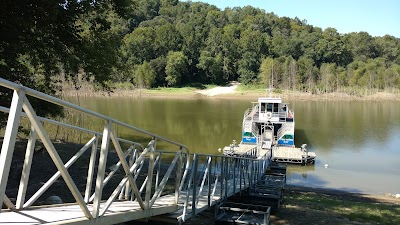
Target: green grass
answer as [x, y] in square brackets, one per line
[124, 86]
[252, 88]
[170, 90]
[179, 90]
[354, 210]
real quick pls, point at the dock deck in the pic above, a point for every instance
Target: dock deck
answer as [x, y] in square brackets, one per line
[118, 212]
[291, 155]
[244, 150]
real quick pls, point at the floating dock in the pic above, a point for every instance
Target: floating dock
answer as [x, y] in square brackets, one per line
[252, 151]
[284, 154]
[292, 155]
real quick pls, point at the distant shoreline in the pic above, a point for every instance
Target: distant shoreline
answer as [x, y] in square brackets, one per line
[251, 95]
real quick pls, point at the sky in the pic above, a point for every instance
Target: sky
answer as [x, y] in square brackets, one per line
[377, 17]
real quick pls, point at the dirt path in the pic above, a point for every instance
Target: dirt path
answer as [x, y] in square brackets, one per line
[230, 89]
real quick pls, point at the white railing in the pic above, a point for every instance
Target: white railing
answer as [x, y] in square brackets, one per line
[254, 131]
[131, 161]
[282, 131]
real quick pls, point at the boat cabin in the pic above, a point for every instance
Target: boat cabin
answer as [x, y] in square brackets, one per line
[273, 110]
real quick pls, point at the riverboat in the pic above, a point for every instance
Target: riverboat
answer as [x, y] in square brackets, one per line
[268, 128]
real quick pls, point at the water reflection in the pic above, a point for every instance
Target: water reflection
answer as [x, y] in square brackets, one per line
[328, 124]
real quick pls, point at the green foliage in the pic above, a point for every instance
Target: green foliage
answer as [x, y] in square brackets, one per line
[176, 68]
[212, 65]
[248, 68]
[266, 71]
[144, 76]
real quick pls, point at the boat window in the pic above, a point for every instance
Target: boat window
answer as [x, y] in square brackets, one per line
[263, 107]
[276, 107]
[269, 107]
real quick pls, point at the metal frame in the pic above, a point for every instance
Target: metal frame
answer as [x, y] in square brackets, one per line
[127, 188]
[220, 177]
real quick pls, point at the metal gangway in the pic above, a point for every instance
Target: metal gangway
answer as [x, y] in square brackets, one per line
[143, 182]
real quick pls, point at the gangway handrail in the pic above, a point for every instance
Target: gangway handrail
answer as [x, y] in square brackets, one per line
[223, 175]
[127, 188]
[55, 122]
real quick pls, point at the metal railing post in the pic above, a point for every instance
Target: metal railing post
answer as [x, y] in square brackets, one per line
[23, 185]
[209, 183]
[7, 149]
[90, 173]
[195, 165]
[178, 176]
[150, 176]
[105, 142]
[226, 176]
[158, 171]
[222, 176]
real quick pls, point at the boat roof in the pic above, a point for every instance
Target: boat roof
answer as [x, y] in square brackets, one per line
[269, 100]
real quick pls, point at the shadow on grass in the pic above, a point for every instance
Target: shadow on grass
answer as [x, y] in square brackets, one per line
[303, 205]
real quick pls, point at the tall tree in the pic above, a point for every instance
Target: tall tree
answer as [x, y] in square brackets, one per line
[144, 76]
[248, 68]
[176, 69]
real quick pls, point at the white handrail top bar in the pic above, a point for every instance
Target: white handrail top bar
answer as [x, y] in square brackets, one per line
[7, 110]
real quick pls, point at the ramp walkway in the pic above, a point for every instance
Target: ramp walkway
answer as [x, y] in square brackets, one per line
[143, 181]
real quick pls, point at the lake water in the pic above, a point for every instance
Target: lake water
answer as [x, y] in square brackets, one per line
[359, 141]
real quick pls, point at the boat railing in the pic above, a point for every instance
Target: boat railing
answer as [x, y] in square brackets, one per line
[282, 130]
[250, 112]
[248, 116]
[281, 115]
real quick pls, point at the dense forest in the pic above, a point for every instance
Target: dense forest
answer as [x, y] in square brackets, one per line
[180, 43]
[153, 43]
